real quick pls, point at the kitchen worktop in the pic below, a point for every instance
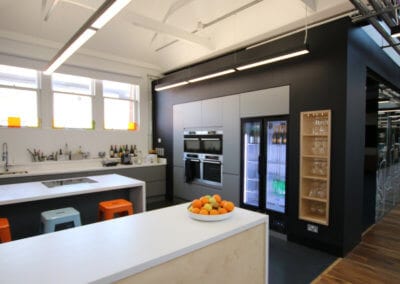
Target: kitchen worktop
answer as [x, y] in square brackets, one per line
[112, 250]
[31, 191]
[61, 167]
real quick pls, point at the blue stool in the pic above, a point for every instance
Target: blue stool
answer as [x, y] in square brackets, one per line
[52, 218]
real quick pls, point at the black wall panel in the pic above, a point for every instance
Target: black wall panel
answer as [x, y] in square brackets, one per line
[319, 80]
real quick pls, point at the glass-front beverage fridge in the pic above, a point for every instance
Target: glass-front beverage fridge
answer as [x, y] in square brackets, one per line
[263, 168]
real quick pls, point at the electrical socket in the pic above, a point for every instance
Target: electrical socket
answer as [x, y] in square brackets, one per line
[312, 228]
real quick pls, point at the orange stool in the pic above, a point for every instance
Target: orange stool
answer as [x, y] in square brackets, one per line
[107, 209]
[5, 233]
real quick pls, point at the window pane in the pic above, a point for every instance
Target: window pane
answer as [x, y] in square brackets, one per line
[118, 90]
[72, 111]
[118, 113]
[20, 104]
[71, 84]
[18, 77]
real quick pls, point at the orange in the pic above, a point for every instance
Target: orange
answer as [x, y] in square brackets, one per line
[195, 210]
[203, 212]
[222, 210]
[196, 203]
[214, 212]
[229, 206]
[204, 200]
[217, 197]
[222, 203]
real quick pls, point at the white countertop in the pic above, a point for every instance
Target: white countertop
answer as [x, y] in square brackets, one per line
[108, 251]
[61, 167]
[31, 191]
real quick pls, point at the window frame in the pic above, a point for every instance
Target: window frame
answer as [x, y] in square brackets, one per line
[36, 89]
[134, 90]
[76, 94]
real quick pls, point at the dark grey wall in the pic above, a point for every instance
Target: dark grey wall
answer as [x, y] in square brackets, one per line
[319, 80]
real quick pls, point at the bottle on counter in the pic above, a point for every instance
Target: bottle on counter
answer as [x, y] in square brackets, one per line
[111, 152]
[120, 152]
[131, 150]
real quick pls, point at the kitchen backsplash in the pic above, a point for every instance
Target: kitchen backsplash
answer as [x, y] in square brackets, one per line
[51, 140]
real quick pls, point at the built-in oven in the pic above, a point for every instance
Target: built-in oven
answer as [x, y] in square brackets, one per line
[191, 142]
[211, 143]
[202, 141]
[212, 169]
[193, 167]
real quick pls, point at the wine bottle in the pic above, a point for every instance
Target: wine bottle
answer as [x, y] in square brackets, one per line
[111, 152]
[284, 134]
[274, 135]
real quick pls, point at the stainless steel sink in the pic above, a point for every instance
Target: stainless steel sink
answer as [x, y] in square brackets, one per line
[13, 173]
[61, 182]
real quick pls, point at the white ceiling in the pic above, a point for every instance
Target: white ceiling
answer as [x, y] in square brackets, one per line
[132, 35]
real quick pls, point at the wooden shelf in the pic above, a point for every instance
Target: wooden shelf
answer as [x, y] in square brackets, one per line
[314, 199]
[315, 152]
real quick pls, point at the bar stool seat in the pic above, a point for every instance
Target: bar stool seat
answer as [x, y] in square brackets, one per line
[108, 209]
[5, 233]
[50, 219]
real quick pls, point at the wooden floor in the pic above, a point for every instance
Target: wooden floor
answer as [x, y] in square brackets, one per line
[375, 260]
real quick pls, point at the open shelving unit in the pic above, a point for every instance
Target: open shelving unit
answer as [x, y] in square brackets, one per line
[315, 153]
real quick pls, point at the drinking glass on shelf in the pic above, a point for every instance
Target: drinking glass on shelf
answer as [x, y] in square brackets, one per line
[313, 207]
[320, 209]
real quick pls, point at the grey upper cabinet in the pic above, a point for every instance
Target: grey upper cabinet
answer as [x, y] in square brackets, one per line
[178, 119]
[192, 114]
[212, 113]
[231, 139]
[274, 101]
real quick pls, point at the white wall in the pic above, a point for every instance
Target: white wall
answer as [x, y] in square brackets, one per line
[49, 140]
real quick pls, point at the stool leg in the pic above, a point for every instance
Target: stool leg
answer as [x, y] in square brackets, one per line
[108, 215]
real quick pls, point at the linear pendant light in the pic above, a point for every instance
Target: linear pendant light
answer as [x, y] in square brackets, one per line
[228, 71]
[100, 18]
[274, 59]
[171, 86]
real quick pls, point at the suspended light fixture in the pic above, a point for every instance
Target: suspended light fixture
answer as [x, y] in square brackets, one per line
[213, 75]
[170, 86]
[274, 59]
[100, 18]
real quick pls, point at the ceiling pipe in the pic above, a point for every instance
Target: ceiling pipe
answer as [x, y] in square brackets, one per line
[363, 9]
[390, 22]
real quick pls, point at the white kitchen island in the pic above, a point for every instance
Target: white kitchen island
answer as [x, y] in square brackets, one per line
[160, 246]
[33, 191]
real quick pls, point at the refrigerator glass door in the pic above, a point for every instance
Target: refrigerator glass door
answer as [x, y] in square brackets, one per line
[251, 156]
[276, 165]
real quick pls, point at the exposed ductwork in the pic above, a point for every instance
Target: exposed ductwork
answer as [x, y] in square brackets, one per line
[376, 11]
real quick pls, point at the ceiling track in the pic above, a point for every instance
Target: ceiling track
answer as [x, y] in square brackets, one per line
[215, 21]
[383, 11]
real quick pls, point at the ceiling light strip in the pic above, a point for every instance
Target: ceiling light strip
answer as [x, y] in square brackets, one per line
[228, 71]
[273, 59]
[240, 68]
[171, 86]
[99, 18]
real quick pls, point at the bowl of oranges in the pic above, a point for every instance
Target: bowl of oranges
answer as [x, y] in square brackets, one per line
[210, 208]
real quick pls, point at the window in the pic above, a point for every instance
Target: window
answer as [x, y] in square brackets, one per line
[18, 97]
[72, 101]
[121, 105]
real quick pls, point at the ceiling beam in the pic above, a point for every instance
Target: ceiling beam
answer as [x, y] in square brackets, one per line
[311, 4]
[172, 9]
[50, 10]
[150, 24]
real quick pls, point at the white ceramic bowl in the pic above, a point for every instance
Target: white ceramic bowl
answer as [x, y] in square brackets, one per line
[209, 218]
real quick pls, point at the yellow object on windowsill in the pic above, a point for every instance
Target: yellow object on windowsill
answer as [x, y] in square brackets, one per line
[132, 126]
[14, 122]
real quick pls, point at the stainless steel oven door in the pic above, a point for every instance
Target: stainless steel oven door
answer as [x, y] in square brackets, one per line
[191, 144]
[212, 144]
[212, 172]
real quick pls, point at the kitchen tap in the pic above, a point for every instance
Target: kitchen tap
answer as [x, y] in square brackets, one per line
[5, 156]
